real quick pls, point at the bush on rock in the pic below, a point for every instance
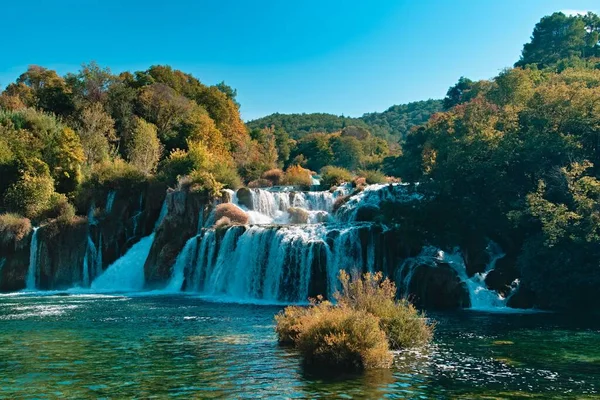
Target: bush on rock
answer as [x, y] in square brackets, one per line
[233, 213]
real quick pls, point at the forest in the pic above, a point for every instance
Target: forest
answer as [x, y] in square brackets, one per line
[514, 158]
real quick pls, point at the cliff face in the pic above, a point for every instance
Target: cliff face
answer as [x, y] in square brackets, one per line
[185, 211]
[67, 251]
[14, 260]
[61, 252]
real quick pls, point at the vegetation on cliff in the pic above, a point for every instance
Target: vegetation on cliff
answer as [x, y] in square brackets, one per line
[358, 331]
[516, 159]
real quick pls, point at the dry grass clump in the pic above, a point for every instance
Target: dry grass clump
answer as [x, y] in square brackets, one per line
[334, 338]
[403, 324]
[297, 215]
[13, 228]
[222, 222]
[339, 202]
[358, 332]
[233, 213]
[298, 176]
[260, 183]
[275, 176]
[372, 176]
[335, 176]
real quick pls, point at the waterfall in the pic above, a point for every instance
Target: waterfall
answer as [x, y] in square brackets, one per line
[161, 216]
[110, 200]
[33, 270]
[127, 272]
[137, 216]
[271, 263]
[481, 297]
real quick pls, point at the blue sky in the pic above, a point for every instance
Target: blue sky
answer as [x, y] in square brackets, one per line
[342, 57]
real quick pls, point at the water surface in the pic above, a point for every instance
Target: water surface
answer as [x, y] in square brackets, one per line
[90, 346]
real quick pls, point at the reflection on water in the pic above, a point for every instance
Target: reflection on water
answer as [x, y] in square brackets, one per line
[117, 346]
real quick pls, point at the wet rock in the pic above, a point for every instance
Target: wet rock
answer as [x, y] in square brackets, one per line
[367, 213]
[184, 210]
[244, 196]
[62, 247]
[475, 254]
[501, 278]
[522, 298]
[14, 262]
[438, 287]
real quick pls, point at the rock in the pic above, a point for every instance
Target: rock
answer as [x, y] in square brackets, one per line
[501, 278]
[62, 248]
[180, 224]
[244, 196]
[14, 262]
[522, 298]
[297, 215]
[438, 287]
[475, 254]
[226, 196]
[367, 213]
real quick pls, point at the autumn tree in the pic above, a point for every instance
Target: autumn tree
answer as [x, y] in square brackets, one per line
[144, 149]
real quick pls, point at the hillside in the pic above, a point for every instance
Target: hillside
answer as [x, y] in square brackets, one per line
[392, 124]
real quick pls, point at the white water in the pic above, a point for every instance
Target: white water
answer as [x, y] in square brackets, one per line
[32, 271]
[127, 273]
[270, 263]
[481, 297]
[273, 261]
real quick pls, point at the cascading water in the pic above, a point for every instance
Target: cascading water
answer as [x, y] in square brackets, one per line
[33, 270]
[127, 273]
[481, 297]
[278, 262]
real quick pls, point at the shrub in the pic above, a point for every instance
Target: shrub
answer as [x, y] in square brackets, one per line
[298, 176]
[29, 196]
[334, 176]
[339, 202]
[297, 215]
[222, 222]
[359, 181]
[343, 339]
[289, 321]
[117, 174]
[13, 228]
[59, 207]
[235, 214]
[201, 182]
[404, 325]
[227, 175]
[176, 165]
[260, 183]
[357, 332]
[372, 176]
[275, 176]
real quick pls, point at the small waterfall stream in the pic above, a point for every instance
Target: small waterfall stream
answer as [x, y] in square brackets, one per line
[33, 269]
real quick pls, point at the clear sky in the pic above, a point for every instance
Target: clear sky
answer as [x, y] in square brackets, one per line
[343, 57]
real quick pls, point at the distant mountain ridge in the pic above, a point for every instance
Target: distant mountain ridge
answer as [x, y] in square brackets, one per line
[392, 124]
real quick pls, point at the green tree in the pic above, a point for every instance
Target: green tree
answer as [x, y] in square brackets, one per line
[96, 130]
[559, 36]
[144, 149]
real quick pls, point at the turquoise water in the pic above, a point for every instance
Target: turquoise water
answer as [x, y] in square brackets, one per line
[90, 346]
